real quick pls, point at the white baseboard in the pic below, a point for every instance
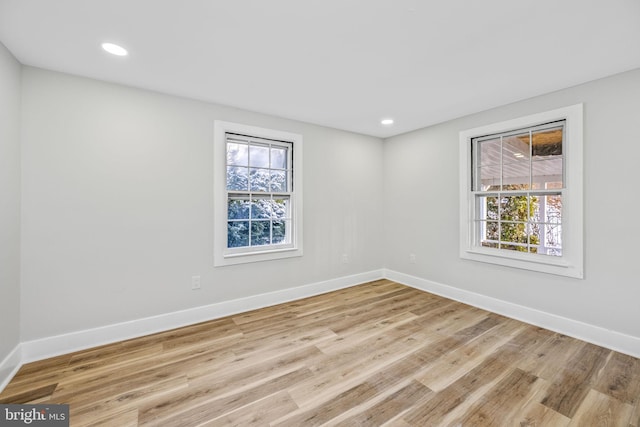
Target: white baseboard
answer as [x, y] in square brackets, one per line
[74, 341]
[594, 334]
[30, 351]
[9, 366]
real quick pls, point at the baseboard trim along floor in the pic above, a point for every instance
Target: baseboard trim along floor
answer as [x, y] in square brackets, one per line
[43, 348]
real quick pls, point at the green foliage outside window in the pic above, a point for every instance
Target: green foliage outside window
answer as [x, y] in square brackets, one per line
[508, 221]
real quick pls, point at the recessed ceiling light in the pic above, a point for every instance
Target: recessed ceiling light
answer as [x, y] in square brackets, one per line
[114, 49]
[386, 122]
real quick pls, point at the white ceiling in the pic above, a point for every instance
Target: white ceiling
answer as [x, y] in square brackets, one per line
[339, 63]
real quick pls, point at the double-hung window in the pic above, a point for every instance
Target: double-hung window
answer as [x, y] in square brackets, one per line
[521, 192]
[257, 194]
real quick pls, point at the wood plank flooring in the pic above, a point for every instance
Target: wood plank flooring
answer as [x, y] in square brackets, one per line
[371, 355]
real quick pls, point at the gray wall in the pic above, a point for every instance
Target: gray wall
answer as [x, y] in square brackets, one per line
[422, 208]
[9, 203]
[118, 204]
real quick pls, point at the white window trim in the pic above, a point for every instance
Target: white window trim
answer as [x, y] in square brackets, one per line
[571, 262]
[222, 256]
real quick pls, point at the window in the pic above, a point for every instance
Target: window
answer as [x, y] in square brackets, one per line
[521, 192]
[517, 185]
[257, 189]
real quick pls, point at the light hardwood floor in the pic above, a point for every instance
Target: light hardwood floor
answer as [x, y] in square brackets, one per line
[375, 354]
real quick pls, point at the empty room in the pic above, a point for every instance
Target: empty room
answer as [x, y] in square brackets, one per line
[301, 213]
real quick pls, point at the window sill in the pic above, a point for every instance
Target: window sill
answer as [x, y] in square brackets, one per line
[257, 256]
[540, 263]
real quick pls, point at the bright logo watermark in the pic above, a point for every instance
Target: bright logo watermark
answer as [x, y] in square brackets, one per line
[34, 415]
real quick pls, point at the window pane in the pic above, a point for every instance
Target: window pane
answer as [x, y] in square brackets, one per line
[492, 230]
[280, 208]
[514, 208]
[547, 143]
[488, 178]
[237, 154]
[237, 234]
[553, 209]
[547, 163]
[238, 209]
[280, 232]
[260, 180]
[278, 181]
[261, 208]
[515, 148]
[511, 232]
[487, 152]
[553, 239]
[237, 178]
[487, 207]
[548, 238]
[260, 233]
[259, 156]
[486, 164]
[547, 171]
[278, 158]
[546, 208]
[515, 162]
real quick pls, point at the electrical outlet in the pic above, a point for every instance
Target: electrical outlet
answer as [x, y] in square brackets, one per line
[195, 282]
[412, 258]
[345, 258]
